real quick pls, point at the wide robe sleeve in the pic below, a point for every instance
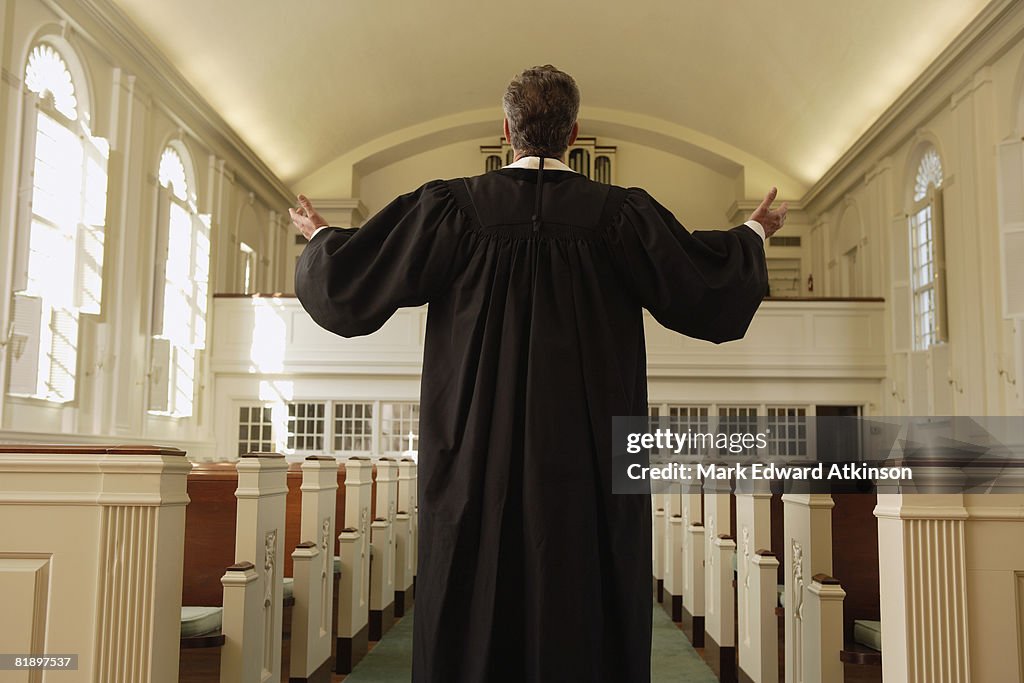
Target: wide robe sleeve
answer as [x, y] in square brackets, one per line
[704, 284]
[352, 280]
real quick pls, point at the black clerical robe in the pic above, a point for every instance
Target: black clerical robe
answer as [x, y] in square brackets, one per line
[530, 569]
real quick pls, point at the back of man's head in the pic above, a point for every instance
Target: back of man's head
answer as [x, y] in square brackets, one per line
[541, 105]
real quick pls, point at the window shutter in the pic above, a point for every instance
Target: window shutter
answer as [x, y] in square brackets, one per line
[88, 294]
[160, 367]
[939, 237]
[91, 232]
[919, 389]
[24, 346]
[163, 216]
[200, 276]
[902, 316]
[1020, 362]
[63, 355]
[1011, 225]
[26, 188]
[941, 393]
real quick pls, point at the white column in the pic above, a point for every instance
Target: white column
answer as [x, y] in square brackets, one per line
[719, 598]
[91, 557]
[673, 602]
[389, 480]
[722, 631]
[673, 552]
[753, 536]
[658, 546]
[382, 578]
[259, 540]
[311, 619]
[353, 604]
[407, 502]
[759, 638]
[404, 554]
[387, 489]
[354, 601]
[314, 581]
[923, 587]
[240, 659]
[131, 194]
[807, 521]
[110, 390]
[693, 567]
[823, 618]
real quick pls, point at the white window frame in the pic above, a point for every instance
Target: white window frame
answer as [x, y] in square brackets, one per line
[185, 359]
[54, 334]
[927, 254]
[281, 433]
[714, 409]
[247, 271]
[249, 424]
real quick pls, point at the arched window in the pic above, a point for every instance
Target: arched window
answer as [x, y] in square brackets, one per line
[929, 174]
[250, 251]
[181, 287]
[493, 163]
[927, 258]
[61, 215]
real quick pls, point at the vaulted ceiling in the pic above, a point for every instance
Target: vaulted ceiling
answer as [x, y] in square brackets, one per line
[792, 83]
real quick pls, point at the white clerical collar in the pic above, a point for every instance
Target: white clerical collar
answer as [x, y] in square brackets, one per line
[534, 163]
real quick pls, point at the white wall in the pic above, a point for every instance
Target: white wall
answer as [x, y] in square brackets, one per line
[699, 196]
[138, 104]
[965, 111]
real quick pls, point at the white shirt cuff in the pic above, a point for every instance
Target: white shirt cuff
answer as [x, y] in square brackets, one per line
[324, 227]
[753, 225]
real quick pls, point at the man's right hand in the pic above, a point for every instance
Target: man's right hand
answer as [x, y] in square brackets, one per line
[770, 220]
[305, 218]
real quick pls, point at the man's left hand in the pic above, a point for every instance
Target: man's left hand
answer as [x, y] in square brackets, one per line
[770, 220]
[305, 218]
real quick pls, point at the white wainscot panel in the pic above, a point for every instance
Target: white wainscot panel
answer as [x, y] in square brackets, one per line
[811, 339]
[792, 338]
[274, 335]
[845, 332]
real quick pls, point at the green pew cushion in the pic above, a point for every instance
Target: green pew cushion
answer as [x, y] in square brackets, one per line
[337, 564]
[289, 587]
[868, 633]
[198, 621]
[781, 590]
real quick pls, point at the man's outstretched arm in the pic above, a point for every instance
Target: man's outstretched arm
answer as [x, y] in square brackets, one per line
[352, 280]
[704, 284]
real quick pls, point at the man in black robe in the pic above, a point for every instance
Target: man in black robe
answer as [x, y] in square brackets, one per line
[530, 569]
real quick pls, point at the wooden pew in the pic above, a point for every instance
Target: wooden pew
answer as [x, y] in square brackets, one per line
[854, 567]
[210, 520]
[352, 633]
[209, 532]
[254, 584]
[92, 540]
[315, 609]
[406, 552]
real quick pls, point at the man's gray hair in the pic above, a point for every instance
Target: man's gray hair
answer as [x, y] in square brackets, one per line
[541, 105]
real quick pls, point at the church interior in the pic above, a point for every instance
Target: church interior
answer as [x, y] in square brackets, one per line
[197, 483]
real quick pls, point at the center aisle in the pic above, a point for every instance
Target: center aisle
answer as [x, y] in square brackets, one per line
[672, 657]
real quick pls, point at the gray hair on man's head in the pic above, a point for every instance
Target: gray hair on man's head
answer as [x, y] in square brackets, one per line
[541, 105]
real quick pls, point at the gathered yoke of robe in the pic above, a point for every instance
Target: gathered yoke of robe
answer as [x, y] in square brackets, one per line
[529, 568]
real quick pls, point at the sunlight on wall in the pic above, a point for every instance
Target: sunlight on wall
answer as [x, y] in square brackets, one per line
[270, 334]
[276, 394]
